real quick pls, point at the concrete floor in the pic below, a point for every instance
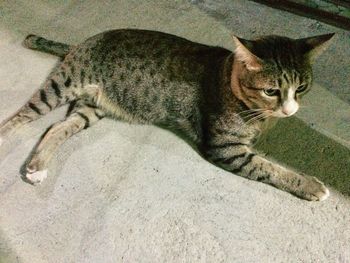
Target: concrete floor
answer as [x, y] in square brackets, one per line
[125, 193]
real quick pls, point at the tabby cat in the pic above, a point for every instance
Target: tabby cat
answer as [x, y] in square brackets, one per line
[218, 99]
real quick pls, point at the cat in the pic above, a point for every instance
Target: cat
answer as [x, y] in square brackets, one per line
[219, 99]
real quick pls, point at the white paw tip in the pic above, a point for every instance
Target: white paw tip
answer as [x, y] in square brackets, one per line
[36, 176]
[1, 140]
[325, 196]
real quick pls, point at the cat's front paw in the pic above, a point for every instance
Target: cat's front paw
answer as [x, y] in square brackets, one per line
[312, 189]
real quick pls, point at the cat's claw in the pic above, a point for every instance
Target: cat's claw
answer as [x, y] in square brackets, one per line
[36, 177]
[323, 195]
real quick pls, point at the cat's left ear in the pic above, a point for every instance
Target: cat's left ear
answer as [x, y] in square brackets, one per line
[314, 46]
[244, 53]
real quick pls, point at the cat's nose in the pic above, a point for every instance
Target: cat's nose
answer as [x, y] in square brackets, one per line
[290, 108]
[287, 111]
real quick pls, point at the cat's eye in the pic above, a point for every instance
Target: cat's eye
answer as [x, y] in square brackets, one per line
[301, 88]
[271, 92]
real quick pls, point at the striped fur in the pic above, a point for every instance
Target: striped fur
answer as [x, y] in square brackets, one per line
[218, 99]
[41, 44]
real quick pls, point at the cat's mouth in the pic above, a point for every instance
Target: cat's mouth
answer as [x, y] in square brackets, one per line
[283, 113]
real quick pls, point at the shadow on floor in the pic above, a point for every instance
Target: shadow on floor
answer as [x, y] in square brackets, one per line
[293, 143]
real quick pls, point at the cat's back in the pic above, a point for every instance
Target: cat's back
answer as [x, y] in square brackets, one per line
[163, 51]
[147, 40]
[154, 75]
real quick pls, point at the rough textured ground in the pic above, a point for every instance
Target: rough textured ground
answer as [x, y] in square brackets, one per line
[124, 193]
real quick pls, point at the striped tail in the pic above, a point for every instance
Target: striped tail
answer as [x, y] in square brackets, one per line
[48, 46]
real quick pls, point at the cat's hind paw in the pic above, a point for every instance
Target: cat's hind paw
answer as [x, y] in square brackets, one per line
[35, 177]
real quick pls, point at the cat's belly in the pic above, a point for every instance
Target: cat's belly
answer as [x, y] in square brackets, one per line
[149, 104]
[176, 116]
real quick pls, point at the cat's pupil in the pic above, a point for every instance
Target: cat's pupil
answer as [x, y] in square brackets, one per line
[301, 88]
[271, 92]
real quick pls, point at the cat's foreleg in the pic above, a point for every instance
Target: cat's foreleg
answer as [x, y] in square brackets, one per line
[81, 117]
[239, 159]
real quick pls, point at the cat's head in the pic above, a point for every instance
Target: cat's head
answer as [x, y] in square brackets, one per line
[272, 73]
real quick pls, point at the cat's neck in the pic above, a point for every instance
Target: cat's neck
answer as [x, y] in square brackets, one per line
[229, 81]
[227, 70]
[236, 72]
[232, 71]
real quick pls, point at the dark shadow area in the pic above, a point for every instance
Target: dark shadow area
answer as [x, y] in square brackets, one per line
[294, 143]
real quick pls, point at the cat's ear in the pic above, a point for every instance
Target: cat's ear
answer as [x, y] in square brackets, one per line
[243, 53]
[314, 46]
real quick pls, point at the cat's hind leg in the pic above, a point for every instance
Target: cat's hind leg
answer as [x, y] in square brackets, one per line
[55, 92]
[80, 117]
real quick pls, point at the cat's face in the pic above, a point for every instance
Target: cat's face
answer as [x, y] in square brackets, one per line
[276, 91]
[271, 74]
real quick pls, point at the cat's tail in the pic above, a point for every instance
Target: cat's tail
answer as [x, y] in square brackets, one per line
[45, 45]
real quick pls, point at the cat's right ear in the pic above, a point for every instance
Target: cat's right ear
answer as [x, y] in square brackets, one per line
[244, 54]
[312, 47]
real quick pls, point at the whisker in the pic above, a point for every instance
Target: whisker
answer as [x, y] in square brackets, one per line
[249, 111]
[252, 120]
[258, 119]
[251, 114]
[265, 114]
